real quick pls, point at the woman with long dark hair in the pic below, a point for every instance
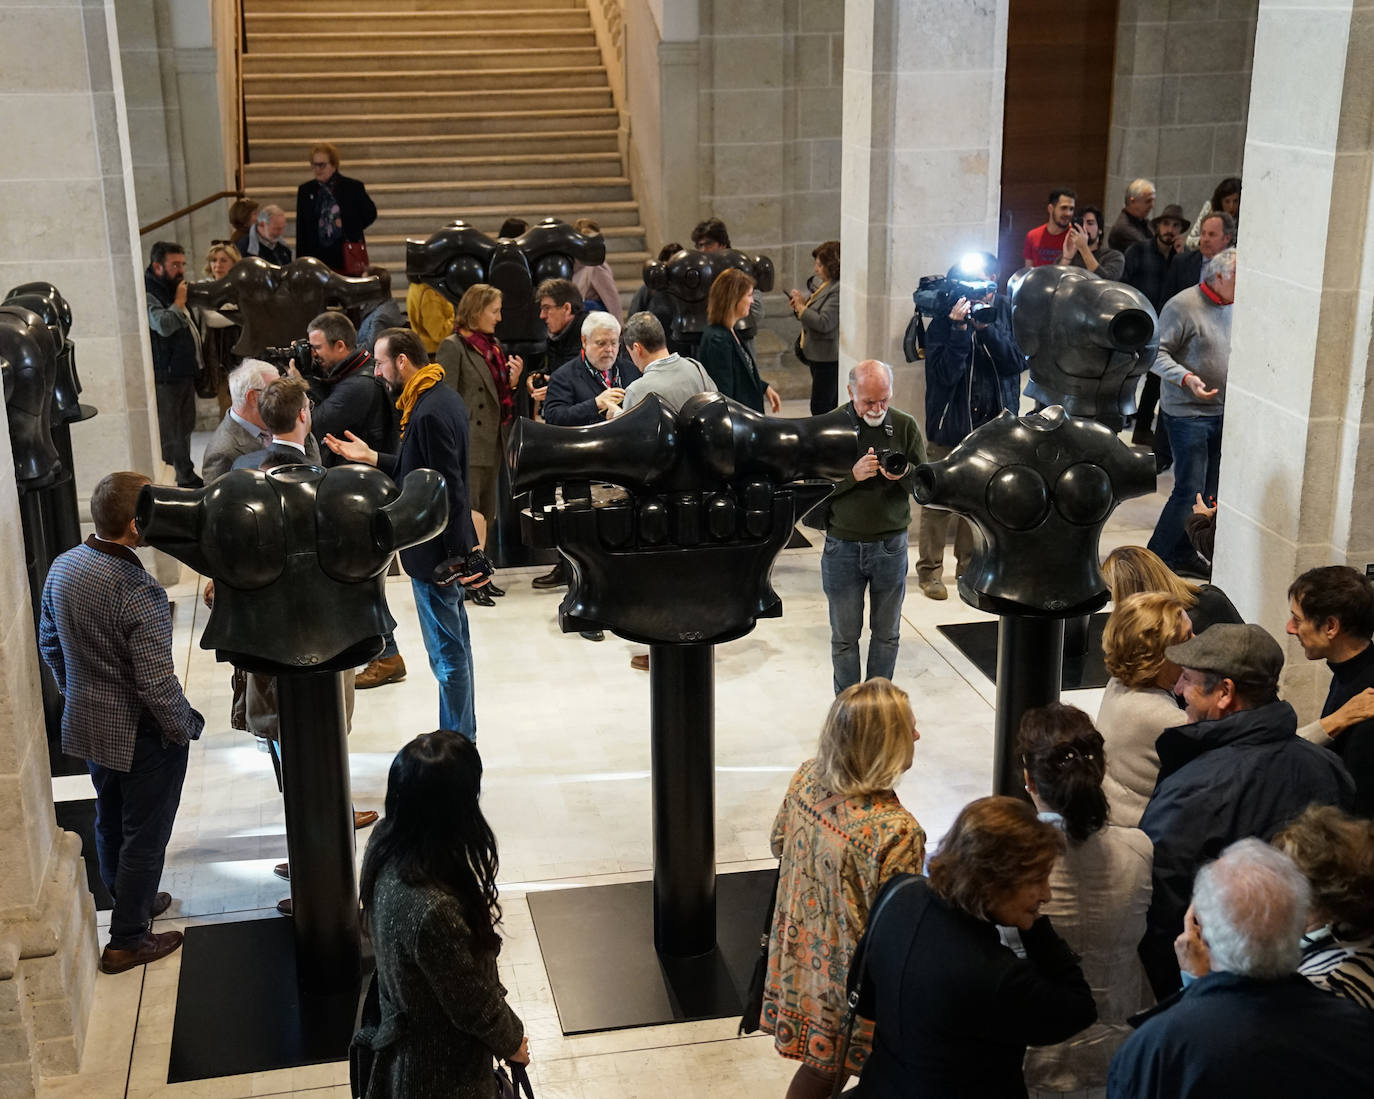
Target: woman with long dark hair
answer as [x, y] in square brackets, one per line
[1101, 886]
[430, 907]
[726, 357]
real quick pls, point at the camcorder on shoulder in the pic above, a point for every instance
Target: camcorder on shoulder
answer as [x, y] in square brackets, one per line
[936, 295]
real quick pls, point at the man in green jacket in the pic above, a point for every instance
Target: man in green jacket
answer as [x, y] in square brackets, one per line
[866, 534]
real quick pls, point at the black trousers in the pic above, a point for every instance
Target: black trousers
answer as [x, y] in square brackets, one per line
[825, 387]
[176, 419]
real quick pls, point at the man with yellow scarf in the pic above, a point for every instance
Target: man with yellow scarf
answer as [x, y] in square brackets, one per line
[434, 435]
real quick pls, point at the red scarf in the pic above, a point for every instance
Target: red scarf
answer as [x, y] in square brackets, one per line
[495, 358]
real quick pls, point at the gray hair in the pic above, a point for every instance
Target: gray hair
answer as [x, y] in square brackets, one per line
[1252, 903]
[267, 213]
[1138, 187]
[597, 321]
[646, 330]
[248, 376]
[854, 371]
[1222, 265]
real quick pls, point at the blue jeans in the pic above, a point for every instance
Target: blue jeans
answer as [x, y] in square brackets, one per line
[847, 568]
[1196, 443]
[134, 813]
[444, 626]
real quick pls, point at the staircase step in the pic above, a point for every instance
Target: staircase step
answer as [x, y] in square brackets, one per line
[369, 22]
[346, 104]
[278, 175]
[543, 76]
[413, 221]
[344, 9]
[476, 39]
[419, 67]
[569, 192]
[387, 147]
[306, 130]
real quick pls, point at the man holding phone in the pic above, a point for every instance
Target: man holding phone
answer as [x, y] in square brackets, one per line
[1045, 243]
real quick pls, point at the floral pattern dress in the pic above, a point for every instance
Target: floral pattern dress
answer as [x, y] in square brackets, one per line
[835, 854]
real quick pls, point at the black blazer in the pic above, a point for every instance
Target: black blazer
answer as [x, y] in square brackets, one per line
[954, 1008]
[437, 438]
[356, 209]
[731, 366]
[573, 389]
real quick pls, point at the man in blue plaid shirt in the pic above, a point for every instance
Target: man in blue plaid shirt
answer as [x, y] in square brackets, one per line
[106, 633]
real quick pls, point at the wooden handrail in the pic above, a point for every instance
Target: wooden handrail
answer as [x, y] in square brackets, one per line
[145, 229]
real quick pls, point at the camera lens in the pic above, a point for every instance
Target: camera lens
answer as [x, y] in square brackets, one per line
[895, 462]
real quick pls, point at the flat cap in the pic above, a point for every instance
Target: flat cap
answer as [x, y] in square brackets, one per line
[1243, 652]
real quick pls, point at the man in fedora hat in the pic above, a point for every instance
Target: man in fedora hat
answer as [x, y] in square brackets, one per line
[1237, 769]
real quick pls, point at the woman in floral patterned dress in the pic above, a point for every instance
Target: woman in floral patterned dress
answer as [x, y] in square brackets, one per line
[841, 833]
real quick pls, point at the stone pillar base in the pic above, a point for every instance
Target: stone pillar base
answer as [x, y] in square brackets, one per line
[48, 966]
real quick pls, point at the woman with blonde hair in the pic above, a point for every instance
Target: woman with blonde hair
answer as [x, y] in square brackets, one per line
[1335, 852]
[1131, 569]
[726, 358]
[218, 330]
[841, 833]
[485, 377]
[1139, 701]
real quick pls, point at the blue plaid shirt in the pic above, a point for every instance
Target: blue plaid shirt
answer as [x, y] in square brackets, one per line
[106, 633]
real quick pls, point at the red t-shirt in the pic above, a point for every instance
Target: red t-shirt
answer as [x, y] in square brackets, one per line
[1043, 247]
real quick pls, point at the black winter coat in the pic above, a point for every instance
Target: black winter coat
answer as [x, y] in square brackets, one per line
[356, 210]
[971, 375]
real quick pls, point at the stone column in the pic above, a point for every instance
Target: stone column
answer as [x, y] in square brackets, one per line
[1297, 478]
[922, 156]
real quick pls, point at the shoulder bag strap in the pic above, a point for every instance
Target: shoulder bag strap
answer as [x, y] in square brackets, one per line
[855, 982]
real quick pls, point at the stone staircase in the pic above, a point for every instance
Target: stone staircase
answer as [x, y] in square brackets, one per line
[471, 109]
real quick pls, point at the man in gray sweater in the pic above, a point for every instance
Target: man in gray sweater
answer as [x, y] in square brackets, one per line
[1194, 346]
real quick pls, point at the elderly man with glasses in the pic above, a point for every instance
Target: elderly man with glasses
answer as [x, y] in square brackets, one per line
[242, 430]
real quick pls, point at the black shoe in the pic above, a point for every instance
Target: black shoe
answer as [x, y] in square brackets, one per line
[556, 578]
[194, 482]
[492, 589]
[592, 635]
[480, 597]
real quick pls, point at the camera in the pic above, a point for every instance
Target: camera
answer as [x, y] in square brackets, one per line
[538, 379]
[936, 294]
[297, 353]
[893, 461]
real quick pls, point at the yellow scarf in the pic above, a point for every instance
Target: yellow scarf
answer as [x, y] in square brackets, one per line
[427, 377]
[813, 297]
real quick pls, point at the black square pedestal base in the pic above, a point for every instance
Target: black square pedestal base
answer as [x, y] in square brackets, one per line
[598, 947]
[239, 1009]
[978, 642]
[79, 817]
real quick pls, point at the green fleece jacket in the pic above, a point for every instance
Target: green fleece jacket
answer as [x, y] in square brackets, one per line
[864, 511]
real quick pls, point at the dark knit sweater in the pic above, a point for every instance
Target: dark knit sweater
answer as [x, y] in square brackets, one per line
[864, 511]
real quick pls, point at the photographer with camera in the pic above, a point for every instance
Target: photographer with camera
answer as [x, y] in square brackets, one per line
[347, 396]
[176, 357]
[866, 521]
[434, 435]
[973, 372]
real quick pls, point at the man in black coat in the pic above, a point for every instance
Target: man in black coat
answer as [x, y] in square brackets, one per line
[589, 387]
[176, 357]
[434, 435]
[561, 310]
[348, 397]
[330, 209]
[1238, 769]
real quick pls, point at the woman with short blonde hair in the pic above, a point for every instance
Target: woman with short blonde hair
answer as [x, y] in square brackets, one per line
[1139, 702]
[841, 833]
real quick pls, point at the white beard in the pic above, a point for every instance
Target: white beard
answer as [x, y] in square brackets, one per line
[874, 419]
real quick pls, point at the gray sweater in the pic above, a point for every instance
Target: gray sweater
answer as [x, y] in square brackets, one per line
[1194, 338]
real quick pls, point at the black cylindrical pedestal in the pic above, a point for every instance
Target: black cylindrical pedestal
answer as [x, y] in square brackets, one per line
[1030, 665]
[66, 516]
[682, 701]
[319, 829]
[504, 545]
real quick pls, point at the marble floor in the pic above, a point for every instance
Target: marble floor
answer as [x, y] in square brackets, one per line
[563, 727]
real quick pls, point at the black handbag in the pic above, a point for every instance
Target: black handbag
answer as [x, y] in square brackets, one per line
[753, 1001]
[513, 1084]
[797, 350]
[854, 984]
[362, 1058]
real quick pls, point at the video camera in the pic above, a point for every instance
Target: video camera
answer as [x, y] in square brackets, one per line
[297, 353]
[936, 295]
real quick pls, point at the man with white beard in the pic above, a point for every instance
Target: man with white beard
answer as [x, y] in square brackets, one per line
[866, 528]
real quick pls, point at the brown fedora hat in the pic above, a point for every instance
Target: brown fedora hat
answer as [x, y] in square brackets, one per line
[1174, 211]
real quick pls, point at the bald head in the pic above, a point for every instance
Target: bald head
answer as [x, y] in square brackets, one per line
[870, 388]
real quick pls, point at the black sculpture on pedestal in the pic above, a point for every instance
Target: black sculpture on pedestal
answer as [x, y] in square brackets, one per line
[1087, 340]
[680, 559]
[1039, 489]
[299, 557]
[687, 277]
[276, 303]
[459, 256]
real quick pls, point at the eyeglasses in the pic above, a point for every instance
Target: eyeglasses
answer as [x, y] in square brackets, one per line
[215, 242]
[319, 164]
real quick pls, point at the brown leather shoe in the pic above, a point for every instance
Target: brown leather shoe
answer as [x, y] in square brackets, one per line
[640, 662]
[284, 907]
[154, 947]
[161, 903]
[363, 818]
[282, 870]
[383, 670]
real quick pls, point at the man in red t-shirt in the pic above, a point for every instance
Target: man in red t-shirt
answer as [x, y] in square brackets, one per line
[1045, 243]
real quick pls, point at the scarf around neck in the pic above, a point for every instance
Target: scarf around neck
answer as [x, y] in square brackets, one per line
[490, 350]
[426, 378]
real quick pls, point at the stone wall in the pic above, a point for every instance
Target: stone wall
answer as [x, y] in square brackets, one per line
[1181, 97]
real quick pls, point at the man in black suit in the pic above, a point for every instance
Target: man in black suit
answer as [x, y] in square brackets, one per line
[434, 435]
[285, 409]
[330, 209]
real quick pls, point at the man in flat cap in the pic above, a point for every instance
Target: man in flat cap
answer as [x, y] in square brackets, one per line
[1238, 769]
